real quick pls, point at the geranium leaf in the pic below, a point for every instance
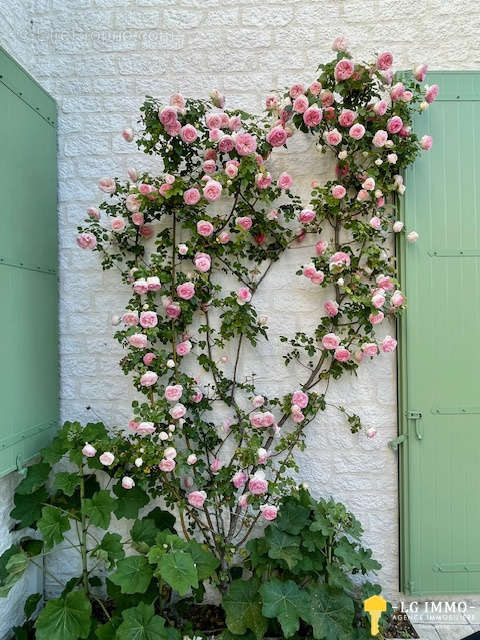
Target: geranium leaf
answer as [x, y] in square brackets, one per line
[282, 546]
[110, 549]
[129, 501]
[13, 563]
[204, 560]
[53, 524]
[65, 618]
[133, 574]
[28, 507]
[292, 517]
[330, 612]
[66, 482]
[141, 623]
[31, 604]
[163, 519]
[284, 601]
[243, 608]
[144, 532]
[178, 570]
[37, 475]
[99, 508]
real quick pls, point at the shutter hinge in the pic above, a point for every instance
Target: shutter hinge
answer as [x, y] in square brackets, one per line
[393, 444]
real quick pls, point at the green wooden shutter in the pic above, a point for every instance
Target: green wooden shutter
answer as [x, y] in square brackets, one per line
[28, 266]
[440, 357]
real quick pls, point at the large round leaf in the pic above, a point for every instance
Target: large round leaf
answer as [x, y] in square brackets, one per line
[65, 618]
[140, 623]
[243, 608]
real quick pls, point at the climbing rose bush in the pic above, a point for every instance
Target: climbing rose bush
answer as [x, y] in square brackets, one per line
[194, 244]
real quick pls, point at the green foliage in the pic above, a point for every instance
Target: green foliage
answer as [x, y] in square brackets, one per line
[132, 575]
[52, 525]
[65, 618]
[243, 608]
[99, 508]
[141, 623]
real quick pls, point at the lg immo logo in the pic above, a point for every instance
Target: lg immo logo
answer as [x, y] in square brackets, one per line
[375, 606]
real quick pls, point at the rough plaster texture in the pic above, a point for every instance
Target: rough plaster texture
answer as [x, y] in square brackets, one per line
[99, 58]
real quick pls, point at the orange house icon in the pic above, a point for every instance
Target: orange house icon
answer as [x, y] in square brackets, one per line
[375, 606]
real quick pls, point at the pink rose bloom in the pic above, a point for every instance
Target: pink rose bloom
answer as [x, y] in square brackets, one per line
[130, 318]
[188, 133]
[177, 100]
[209, 166]
[216, 465]
[258, 485]
[197, 498]
[167, 115]
[183, 348]
[132, 174]
[389, 344]
[173, 129]
[347, 118]
[431, 93]
[214, 120]
[331, 308]
[148, 358]
[226, 144]
[204, 228]
[412, 236]
[384, 282]
[107, 185]
[146, 231]
[202, 262]
[197, 397]
[300, 104]
[88, 450]
[107, 458]
[318, 277]
[153, 283]
[245, 144]
[231, 169]
[284, 181]
[86, 241]
[426, 142]
[380, 202]
[223, 237]
[300, 399]
[212, 190]
[148, 319]
[243, 500]
[244, 222]
[320, 247]
[178, 411]
[330, 341]
[338, 191]
[140, 286]
[132, 203]
[369, 184]
[271, 102]
[420, 71]
[338, 261]
[186, 291]
[340, 44]
[192, 459]
[397, 299]
[333, 137]
[272, 215]
[312, 116]
[164, 188]
[235, 123]
[243, 295]
[296, 90]
[396, 92]
[167, 464]
[371, 433]
[134, 425]
[191, 196]
[376, 318]
[407, 96]
[93, 213]
[269, 512]
[315, 88]
[258, 401]
[138, 340]
[363, 195]
[375, 223]
[356, 131]
[385, 61]
[148, 379]
[138, 219]
[380, 138]
[173, 393]
[214, 135]
[394, 124]
[380, 107]
[309, 271]
[173, 310]
[306, 216]
[127, 482]
[370, 349]
[343, 70]
[378, 299]
[256, 420]
[327, 98]
[341, 354]
[277, 136]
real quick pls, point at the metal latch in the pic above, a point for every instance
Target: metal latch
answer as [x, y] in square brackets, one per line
[393, 444]
[415, 416]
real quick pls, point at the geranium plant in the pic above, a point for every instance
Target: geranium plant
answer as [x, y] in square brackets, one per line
[195, 243]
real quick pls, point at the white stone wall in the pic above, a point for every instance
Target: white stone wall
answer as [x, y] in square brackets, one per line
[99, 58]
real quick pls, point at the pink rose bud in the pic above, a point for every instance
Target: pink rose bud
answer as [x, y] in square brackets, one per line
[269, 512]
[127, 134]
[127, 482]
[389, 344]
[167, 465]
[148, 379]
[426, 142]
[412, 236]
[183, 348]
[243, 295]
[192, 459]
[197, 498]
[94, 213]
[132, 174]
[88, 450]
[397, 226]
[239, 479]
[86, 241]
[371, 433]
[107, 185]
